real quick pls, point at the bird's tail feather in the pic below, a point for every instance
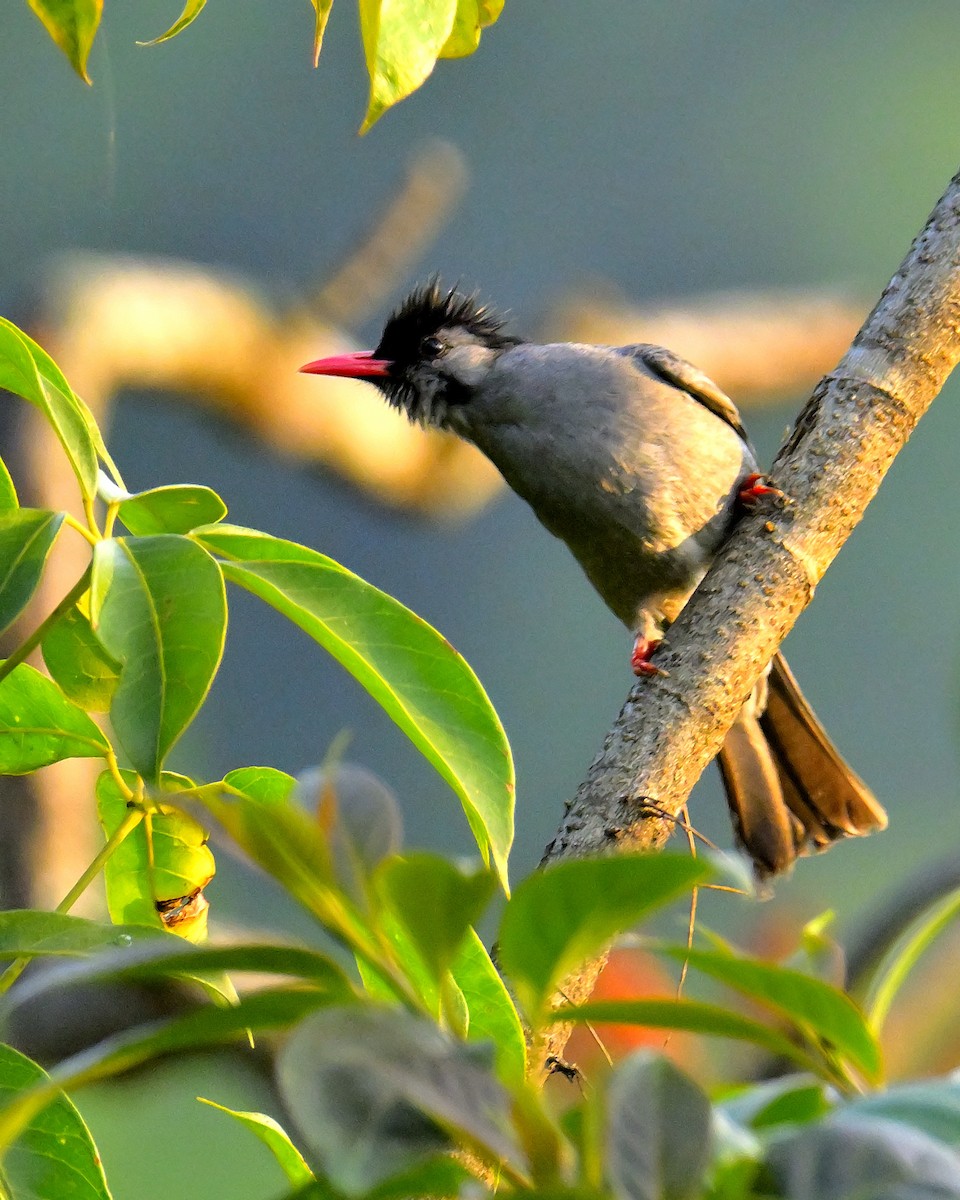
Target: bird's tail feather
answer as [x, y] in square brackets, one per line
[788, 789]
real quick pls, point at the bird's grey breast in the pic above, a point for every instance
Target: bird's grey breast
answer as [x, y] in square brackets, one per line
[635, 475]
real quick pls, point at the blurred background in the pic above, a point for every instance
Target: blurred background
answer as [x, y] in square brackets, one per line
[645, 157]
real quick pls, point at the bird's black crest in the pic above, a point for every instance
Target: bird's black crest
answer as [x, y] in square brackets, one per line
[431, 308]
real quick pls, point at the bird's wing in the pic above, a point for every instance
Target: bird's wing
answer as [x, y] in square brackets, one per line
[676, 371]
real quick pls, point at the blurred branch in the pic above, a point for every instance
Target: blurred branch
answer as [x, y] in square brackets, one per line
[831, 465]
[759, 346]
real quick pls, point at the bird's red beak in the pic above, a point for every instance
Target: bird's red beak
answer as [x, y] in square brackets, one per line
[361, 365]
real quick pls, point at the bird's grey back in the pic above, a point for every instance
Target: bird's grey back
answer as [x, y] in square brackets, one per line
[636, 475]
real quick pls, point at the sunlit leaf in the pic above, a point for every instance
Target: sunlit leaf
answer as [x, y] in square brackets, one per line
[818, 1009]
[79, 662]
[39, 725]
[191, 10]
[26, 537]
[401, 40]
[436, 902]
[413, 672]
[158, 605]
[274, 1137]
[54, 1156]
[492, 1015]
[658, 1131]
[322, 10]
[8, 493]
[165, 858]
[27, 370]
[73, 25]
[177, 508]
[561, 916]
[465, 36]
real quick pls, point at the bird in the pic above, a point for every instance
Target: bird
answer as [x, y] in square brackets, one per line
[640, 463]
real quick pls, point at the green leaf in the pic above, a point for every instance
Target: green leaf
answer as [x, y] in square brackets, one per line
[790, 1100]
[373, 1090]
[26, 537]
[54, 1154]
[178, 508]
[79, 662]
[28, 371]
[658, 1131]
[492, 1015]
[817, 1009]
[8, 493]
[165, 858]
[158, 606]
[262, 1011]
[191, 10]
[436, 903]
[147, 956]
[561, 916]
[253, 806]
[39, 725]
[693, 1016]
[401, 40]
[413, 672]
[73, 25]
[275, 1138]
[465, 36]
[899, 961]
[25, 933]
[322, 10]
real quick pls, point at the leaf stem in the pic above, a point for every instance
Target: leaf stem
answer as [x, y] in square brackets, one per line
[80, 528]
[126, 827]
[26, 648]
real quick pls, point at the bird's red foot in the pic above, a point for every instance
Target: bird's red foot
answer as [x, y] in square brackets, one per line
[643, 649]
[753, 488]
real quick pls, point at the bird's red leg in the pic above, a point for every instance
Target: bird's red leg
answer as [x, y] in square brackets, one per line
[753, 488]
[643, 649]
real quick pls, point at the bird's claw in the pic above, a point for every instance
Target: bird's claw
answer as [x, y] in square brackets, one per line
[643, 649]
[753, 488]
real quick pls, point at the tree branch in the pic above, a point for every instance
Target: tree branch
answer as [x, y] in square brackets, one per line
[831, 465]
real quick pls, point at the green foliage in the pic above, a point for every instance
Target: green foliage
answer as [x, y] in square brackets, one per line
[422, 1050]
[402, 39]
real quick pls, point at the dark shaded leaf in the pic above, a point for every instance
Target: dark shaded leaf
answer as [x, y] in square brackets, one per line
[374, 1090]
[561, 916]
[790, 1100]
[158, 605]
[26, 536]
[852, 1158]
[658, 1131]
[39, 725]
[54, 1156]
[932, 1106]
[269, 1009]
[406, 666]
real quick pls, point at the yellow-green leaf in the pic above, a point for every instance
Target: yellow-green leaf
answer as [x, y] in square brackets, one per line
[402, 40]
[191, 10]
[322, 11]
[73, 25]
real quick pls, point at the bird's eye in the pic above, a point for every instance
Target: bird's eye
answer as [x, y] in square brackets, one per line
[432, 347]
